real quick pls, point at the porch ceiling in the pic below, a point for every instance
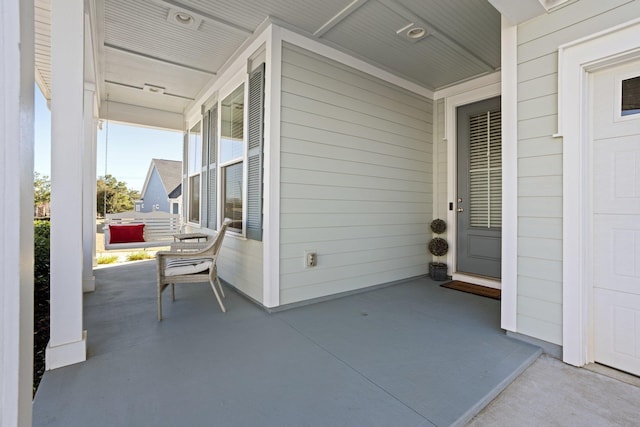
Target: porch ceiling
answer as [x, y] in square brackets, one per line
[136, 43]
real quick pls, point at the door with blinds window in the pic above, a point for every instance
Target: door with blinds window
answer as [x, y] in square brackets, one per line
[479, 192]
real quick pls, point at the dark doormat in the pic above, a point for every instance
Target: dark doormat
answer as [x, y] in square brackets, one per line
[473, 289]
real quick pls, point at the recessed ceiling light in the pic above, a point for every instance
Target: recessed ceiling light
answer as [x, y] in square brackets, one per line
[183, 18]
[416, 33]
[153, 89]
[412, 32]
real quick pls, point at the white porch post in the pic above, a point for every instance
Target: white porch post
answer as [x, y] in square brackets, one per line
[67, 344]
[16, 211]
[509, 81]
[89, 190]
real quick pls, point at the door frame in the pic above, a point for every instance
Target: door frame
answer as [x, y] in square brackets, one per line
[576, 61]
[451, 104]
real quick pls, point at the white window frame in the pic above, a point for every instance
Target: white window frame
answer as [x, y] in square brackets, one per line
[240, 78]
[617, 114]
[191, 175]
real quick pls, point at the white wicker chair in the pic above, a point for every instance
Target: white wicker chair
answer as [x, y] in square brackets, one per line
[190, 263]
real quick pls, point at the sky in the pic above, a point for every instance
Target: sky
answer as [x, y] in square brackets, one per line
[129, 149]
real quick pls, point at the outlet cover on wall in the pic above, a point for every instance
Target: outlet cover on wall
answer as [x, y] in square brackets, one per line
[310, 259]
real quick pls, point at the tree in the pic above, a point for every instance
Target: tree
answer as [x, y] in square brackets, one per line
[41, 189]
[118, 197]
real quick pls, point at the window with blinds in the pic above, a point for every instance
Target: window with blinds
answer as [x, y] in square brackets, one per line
[485, 170]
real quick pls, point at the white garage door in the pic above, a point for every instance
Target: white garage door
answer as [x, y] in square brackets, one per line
[615, 104]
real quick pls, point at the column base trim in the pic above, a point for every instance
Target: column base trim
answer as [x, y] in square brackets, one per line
[66, 354]
[89, 284]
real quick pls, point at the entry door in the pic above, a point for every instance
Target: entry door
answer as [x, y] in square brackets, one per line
[615, 100]
[479, 204]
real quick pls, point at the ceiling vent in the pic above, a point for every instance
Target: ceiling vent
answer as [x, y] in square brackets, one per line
[412, 32]
[153, 89]
[184, 19]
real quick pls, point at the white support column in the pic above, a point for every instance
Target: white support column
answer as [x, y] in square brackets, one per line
[67, 344]
[89, 190]
[509, 306]
[16, 211]
[271, 226]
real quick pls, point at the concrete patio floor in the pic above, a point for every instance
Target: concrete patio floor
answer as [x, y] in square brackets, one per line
[412, 354]
[552, 393]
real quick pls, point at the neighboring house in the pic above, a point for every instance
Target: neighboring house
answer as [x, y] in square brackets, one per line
[42, 210]
[162, 189]
[334, 132]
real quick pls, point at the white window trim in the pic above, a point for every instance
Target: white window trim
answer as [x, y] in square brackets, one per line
[190, 175]
[240, 78]
[576, 60]
[617, 114]
[191, 223]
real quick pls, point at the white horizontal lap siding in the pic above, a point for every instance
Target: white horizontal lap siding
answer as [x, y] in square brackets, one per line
[356, 178]
[540, 157]
[240, 264]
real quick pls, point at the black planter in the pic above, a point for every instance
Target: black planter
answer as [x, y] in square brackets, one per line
[438, 271]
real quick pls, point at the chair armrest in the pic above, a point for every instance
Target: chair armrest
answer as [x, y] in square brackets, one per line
[187, 250]
[188, 246]
[190, 236]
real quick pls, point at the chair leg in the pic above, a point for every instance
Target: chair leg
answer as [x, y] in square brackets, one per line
[159, 302]
[215, 291]
[220, 286]
[173, 292]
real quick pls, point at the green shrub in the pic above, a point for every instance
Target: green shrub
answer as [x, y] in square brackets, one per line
[41, 244]
[107, 259]
[139, 256]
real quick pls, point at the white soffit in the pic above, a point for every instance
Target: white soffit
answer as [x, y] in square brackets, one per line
[518, 11]
[42, 28]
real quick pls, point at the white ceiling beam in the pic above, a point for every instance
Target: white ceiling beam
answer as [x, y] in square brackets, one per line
[155, 58]
[141, 116]
[175, 95]
[339, 17]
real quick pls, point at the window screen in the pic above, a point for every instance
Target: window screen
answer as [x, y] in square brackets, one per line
[485, 170]
[232, 194]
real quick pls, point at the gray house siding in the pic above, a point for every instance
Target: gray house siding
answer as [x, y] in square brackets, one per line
[155, 195]
[540, 157]
[356, 178]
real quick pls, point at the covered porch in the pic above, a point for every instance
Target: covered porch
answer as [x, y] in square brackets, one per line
[408, 354]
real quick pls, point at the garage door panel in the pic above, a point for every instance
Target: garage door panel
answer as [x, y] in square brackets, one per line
[617, 329]
[617, 176]
[617, 252]
[619, 129]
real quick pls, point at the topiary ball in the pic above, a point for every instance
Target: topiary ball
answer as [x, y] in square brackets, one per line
[438, 226]
[438, 246]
